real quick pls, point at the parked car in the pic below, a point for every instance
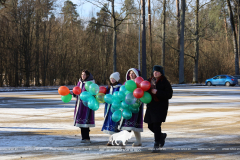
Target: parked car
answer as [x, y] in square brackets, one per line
[226, 80]
[238, 77]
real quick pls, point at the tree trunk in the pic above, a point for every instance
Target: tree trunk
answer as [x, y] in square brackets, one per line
[234, 38]
[163, 33]
[37, 83]
[178, 32]
[114, 39]
[181, 57]
[195, 70]
[237, 72]
[144, 71]
[226, 31]
[150, 32]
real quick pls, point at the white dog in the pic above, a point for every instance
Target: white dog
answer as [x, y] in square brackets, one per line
[121, 136]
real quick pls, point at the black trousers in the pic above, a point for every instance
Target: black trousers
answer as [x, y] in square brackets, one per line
[156, 129]
[85, 133]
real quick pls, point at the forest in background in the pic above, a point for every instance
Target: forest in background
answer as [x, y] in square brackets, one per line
[39, 47]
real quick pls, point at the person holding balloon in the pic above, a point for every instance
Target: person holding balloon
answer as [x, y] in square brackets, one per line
[156, 112]
[109, 126]
[83, 115]
[135, 123]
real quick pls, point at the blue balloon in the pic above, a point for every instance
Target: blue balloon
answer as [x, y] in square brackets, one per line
[116, 105]
[92, 103]
[115, 94]
[124, 105]
[127, 114]
[123, 89]
[96, 106]
[85, 95]
[121, 95]
[108, 98]
[130, 99]
[112, 110]
[85, 103]
[116, 116]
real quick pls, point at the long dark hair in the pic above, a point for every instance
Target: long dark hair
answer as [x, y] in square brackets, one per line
[86, 72]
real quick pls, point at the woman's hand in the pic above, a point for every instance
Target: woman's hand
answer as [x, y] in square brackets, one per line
[154, 91]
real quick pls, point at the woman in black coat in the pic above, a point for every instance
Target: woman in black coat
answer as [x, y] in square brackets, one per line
[156, 113]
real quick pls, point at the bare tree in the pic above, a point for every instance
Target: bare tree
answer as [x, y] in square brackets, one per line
[144, 65]
[181, 58]
[195, 69]
[163, 32]
[234, 38]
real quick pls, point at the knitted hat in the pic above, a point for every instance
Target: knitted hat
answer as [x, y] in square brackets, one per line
[159, 69]
[115, 75]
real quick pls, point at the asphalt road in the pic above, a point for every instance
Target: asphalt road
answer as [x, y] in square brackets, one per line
[202, 123]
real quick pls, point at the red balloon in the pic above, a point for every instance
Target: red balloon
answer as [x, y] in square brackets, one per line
[77, 90]
[138, 93]
[145, 85]
[63, 90]
[102, 89]
[138, 80]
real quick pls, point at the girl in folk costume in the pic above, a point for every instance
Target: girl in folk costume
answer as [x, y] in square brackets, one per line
[84, 116]
[109, 126]
[136, 122]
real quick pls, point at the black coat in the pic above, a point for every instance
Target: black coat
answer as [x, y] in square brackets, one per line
[157, 109]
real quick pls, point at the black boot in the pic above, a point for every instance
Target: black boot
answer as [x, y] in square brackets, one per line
[156, 147]
[163, 137]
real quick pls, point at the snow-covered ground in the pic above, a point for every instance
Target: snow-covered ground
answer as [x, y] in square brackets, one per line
[202, 123]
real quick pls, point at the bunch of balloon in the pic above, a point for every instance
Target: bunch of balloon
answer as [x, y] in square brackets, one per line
[140, 91]
[65, 94]
[93, 96]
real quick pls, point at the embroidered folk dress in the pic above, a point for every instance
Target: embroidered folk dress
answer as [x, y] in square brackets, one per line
[136, 122]
[109, 126]
[83, 116]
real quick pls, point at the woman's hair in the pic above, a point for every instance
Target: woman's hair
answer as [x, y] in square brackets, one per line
[86, 72]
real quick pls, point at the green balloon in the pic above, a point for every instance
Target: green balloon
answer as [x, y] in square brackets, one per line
[93, 89]
[130, 85]
[100, 97]
[147, 98]
[127, 114]
[87, 85]
[116, 116]
[66, 98]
